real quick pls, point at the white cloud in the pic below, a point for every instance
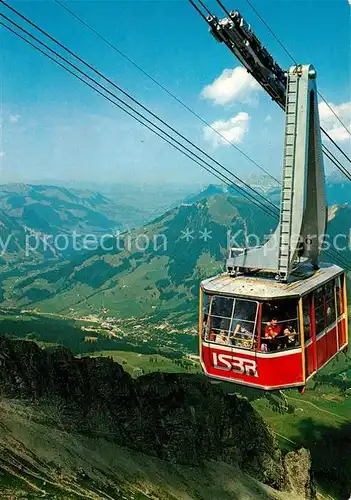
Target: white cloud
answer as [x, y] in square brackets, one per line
[14, 118]
[332, 124]
[2, 153]
[268, 117]
[232, 85]
[233, 130]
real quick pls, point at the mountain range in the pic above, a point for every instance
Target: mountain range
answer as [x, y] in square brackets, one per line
[153, 270]
[160, 279]
[52, 209]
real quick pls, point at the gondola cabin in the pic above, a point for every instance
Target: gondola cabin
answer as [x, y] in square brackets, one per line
[272, 335]
[278, 315]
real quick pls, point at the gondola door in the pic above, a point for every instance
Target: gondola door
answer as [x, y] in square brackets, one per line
[341, 308]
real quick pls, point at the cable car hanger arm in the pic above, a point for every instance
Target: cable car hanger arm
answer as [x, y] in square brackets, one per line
[238, 36]
[299, 237]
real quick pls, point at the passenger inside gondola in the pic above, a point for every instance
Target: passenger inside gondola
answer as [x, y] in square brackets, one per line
[288, 339]
[241, 330]
[212, 336]
[279, 325]
[272, 331]
[241, 336]
[291, 333]
[222, 338]
[231, 321]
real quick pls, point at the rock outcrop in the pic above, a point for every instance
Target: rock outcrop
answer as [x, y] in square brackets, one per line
[299, 473]
[180, 418]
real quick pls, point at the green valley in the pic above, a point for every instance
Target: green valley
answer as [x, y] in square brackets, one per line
[153, 271]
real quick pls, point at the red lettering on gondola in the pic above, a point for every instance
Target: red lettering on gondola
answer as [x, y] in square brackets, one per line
[240, 365]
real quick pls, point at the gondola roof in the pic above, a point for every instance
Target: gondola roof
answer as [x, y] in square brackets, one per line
[263, 288]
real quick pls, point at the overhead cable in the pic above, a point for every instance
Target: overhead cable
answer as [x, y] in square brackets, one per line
[319, 93]
[167, 91]
[253, 200]
[268, 208]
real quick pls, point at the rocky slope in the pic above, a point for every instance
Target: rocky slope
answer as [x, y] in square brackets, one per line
[39, 459]
[180, 419]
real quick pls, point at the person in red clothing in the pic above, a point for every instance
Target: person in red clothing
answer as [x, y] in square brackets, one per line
[272, 329]
[270, 334]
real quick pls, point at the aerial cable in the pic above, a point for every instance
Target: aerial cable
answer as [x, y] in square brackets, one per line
[126, 94]
[322, 129]
[336, 253]
[337, 257]
[294, 60]
[335, 144]
[162, 87]
[198, 10]
[272, 32]
[336, 116]
[205, 7]
[334, 160]
[268, 209]
[158, 83]
[47, 55]
[224, 8]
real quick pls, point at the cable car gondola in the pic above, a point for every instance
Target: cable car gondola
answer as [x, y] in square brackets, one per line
[278, 315]
[272, 335]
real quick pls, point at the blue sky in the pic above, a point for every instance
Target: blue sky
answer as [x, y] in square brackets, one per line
[55, 128]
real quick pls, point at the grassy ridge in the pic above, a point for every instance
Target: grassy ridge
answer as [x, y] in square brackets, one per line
[139, 364]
